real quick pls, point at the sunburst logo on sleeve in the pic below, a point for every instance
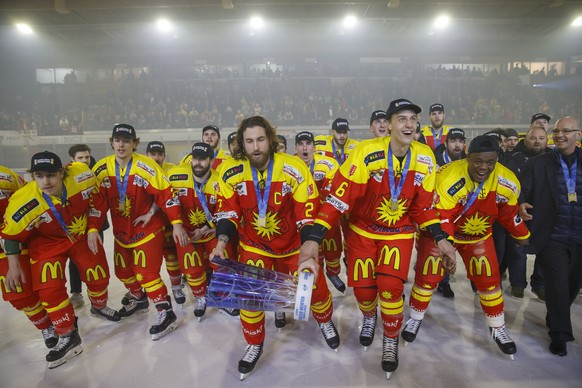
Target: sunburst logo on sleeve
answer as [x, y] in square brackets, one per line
[475, 225]
[196, 217]
[78, 226]
[271, 227]
[389, 216]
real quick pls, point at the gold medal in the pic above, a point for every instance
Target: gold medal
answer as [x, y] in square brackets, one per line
[572, 197]
[121, 206]
[262, 222]
[394, 206]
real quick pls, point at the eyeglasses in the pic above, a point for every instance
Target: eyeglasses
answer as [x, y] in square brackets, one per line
[558, 131]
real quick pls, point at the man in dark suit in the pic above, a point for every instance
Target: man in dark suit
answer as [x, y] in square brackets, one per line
[551, 202]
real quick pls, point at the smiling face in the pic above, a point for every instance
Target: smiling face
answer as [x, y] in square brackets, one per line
[379, 127]
[481, 165]
[402, 126]
[565, 135]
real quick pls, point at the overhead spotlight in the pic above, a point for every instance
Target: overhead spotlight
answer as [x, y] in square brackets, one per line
[257, 22]
[350, 21]
[24, 28]
[577, 22]
[164, 25]
[442, 22]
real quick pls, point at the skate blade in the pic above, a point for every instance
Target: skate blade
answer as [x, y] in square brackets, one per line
[406, 343]
[105, 319]
[511, 357]
[162, 334]
[244, 376]
[388, 374]
[70, 354]
[199, 318]
[365, 348]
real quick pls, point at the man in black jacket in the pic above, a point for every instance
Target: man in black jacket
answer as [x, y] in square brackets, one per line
[551, 202]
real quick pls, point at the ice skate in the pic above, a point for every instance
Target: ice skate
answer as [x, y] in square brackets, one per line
[249, 360]
[165, 325]
[179, 295]
[76, 300]
[330, 334]
[200, 308]
[134, 305]
[280, 320]
[50, 337]
[337, 283]
[68, 347]
[106, 313]
[229, 312]
[367, 332]
[506, 345]
[389, 355]
[410, 330]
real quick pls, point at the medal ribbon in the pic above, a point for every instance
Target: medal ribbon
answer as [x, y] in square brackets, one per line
[437, 140]
[122, 185]
[396, 190]
[264, 199]
[59, 215]
[569, 175]
[340, 157]
[472, 197]
[199, 188]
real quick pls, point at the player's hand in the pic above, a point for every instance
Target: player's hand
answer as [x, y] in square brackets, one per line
[523, 211]
[144, 219]
[308, 255]
[449, 255]
[219, 250]
[15, 275]
[522, 243]
[180, 236]
[93, 241]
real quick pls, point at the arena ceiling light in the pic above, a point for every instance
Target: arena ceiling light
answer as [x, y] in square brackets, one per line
[164, 25]
[257, 22]
[24, 28]
[442, 22]
[350, 21]
[577, 22]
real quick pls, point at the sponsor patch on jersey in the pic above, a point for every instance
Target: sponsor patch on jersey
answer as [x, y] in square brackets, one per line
[178, 177]
[83, 177]
[232, 172]
[86, 194]
[293, 173]
[517, 219]
[286, 188]
[320, 142]
[226, 215]
[424, 159]
[241, 188]
[100, 169]
[140, 182]
[182, 191]
[146, 168]
[94, 212]
[500, 198]
[458, 185]
[212, 199]
[310, 190]
[418, 178]
[5, 194]
[502, 181]
[5, 177]
[24, 210]
[353, 169]
[318, 175]
[174, 201]
[326, 163]
[377, 175]
[337, 203]
[376, 155]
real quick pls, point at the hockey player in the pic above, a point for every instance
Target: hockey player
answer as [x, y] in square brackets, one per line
[49, 215]
[270, 198]
[435, 134]
[472, 194]
[128, 186]
[391, 179]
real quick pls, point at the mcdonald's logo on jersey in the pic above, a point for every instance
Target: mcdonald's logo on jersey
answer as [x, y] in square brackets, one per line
[329, 245]
[94, 274]
[476, 266]
[387, 254]
[54, 270]
[138, 257]
[5, 287]
[192, 260]
[119, 260]
[432, 266]
[363, 268]
[256, 263]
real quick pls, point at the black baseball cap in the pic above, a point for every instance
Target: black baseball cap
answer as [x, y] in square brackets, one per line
[211, 128]
[401, 104]
[456, 133]
[202, 150]
[340, 125]
[45, 161]
[304, 135]
[378, 114]
[510, 132]
[436, 108]
[540, 116]
[484, 143]
[124, 130]
[154, 146]
[231, 137]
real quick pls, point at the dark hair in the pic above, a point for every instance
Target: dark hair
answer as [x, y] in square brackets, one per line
[256, 121]
[78, 148]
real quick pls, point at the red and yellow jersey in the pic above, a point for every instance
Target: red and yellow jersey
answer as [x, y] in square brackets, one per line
[362, 189]
[323, 169]
[219, 156]
[9, 183]
[497, 200]
[291, 204]
[324, 146]
[29, 217]
[433, 143]
[167, 167]
[182, 181]
[146, 184]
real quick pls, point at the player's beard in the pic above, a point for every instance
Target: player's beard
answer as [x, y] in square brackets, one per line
[259, 161]
[200, 172]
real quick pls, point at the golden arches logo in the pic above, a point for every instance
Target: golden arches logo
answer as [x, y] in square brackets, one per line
[364, 267]
[139, 257]
[119, 260]
[434, 263]
[476, 266]
[256, 263]
[54, 269]
[5, 287]
[329, 245]
[387, 254]
[96, 273]
[192, 260]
